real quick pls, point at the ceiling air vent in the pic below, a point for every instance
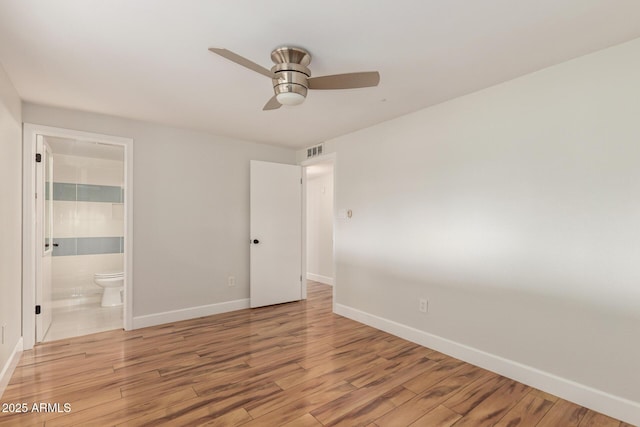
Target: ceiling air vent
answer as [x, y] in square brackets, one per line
[316, 150]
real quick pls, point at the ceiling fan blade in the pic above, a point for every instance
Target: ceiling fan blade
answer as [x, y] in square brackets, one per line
[272, 104]
[240, 60]
[345, 81]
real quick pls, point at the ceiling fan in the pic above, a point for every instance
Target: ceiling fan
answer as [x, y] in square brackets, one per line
[291, 78]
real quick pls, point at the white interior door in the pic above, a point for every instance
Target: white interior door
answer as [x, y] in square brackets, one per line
[276, 233]
[44, 237]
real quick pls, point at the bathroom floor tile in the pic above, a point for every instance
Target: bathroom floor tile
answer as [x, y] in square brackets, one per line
[83, 320]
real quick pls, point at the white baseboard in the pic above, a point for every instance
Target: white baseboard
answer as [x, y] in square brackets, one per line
[188, 313]
[319, 278]
[10, 366]
[600, 401]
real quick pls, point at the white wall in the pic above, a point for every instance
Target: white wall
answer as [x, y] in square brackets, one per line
[515, 211]
[320, 228]
[191, 210]
[10, 222]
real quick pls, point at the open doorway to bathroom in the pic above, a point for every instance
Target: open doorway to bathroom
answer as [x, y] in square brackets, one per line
[87, 263]
[85, 285]
[319, 220]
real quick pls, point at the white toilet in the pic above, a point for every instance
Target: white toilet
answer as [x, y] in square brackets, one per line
[113, 284]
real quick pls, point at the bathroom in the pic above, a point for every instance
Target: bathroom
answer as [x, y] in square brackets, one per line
[88, 242]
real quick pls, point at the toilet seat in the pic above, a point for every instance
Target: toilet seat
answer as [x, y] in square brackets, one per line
[109, 275]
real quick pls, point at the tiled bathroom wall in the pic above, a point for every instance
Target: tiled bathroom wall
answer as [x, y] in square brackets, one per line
[88, 225]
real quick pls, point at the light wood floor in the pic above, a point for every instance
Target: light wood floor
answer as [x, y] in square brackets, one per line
[294, 364]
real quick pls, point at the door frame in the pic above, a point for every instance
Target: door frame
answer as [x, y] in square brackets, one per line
[29, 135]
[330, 157]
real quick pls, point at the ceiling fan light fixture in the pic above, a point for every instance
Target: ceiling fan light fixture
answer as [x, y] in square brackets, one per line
[291, 78]
[291, 92]
[290, 98]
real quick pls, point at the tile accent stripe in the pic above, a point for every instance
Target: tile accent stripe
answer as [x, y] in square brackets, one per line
[66, 246]
[88, 246]
[87, 193]
[64, 191]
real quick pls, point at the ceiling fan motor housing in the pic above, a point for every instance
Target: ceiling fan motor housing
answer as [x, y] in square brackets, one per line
[290, 70]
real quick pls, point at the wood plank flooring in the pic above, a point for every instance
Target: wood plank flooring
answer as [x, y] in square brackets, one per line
[294, 364]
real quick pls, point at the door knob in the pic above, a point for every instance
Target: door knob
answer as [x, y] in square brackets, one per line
[256, 241]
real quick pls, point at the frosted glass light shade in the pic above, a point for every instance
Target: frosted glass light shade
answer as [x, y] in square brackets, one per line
[290, 98]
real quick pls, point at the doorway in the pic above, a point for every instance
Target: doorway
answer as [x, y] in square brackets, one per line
[90, 194]
[319, 219]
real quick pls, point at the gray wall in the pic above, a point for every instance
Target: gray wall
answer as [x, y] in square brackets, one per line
[191, 208]
[515, 211]
[10, 218]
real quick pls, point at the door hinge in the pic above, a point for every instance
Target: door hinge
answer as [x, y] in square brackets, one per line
[300, 180]
[38, 309]
[38, 157]
[301, 278]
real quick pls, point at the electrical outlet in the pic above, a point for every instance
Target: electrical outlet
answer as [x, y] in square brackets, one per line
[423, 305]
[231, 280]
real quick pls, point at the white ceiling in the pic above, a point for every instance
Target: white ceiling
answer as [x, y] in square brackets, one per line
[148, 59]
